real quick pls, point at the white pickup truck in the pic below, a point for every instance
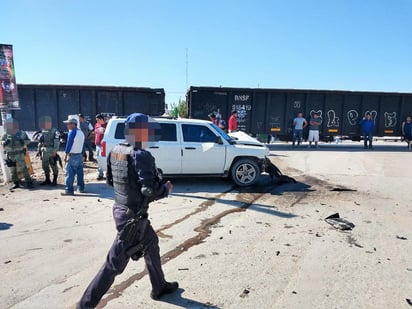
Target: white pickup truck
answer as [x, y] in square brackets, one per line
[190, 147]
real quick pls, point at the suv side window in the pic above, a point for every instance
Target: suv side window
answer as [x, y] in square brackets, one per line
[197, 134]
[119, 134]
[166, 132]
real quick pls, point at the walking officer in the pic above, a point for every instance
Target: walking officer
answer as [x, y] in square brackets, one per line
[132, 172]
[14, 142]
[47, 149]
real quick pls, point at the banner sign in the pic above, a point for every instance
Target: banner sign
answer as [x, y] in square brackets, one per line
[8, 88]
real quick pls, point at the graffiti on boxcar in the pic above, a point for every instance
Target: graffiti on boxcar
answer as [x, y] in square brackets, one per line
[352, 117]
[319, 112]
[209, 108]
[390, 119]
[333, 121]
[242, 111]
[297, 104]
[242, 105]
[373, 113]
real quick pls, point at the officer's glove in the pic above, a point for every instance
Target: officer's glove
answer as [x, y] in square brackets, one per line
[10, 163]
[146, 191]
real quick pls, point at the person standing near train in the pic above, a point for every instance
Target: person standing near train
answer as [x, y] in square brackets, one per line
[232, 122]
[367, 125]
[407, 131]
[299, 123]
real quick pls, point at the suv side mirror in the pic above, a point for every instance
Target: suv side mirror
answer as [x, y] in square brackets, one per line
[218, 140]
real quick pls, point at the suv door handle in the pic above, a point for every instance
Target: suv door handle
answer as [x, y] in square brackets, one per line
[190, 148]
[154, 147]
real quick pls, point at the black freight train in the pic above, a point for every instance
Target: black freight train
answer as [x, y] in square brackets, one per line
[59, 101]
[271, 111]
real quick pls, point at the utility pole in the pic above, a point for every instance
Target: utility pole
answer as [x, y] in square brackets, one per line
[187, 80]
[187, 68]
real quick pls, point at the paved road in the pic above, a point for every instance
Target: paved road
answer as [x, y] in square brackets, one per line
[262, 247]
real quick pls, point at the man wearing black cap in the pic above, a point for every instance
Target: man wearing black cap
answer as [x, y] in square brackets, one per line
[132, 172]
[86, 128]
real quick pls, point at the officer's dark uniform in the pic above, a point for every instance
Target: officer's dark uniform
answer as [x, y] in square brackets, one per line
[127, 170]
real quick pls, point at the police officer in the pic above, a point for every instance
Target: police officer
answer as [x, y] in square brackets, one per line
[14, 142]
[132, 172]
[48, 146]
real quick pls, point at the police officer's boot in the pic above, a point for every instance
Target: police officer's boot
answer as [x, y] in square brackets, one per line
[15, 186]
[54, 183]
[47, 181]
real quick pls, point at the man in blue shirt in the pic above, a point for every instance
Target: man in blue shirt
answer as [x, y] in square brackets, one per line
[299, 123]
[367, 125]
[73, 157]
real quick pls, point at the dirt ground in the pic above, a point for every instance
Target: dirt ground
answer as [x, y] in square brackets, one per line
[267, 246]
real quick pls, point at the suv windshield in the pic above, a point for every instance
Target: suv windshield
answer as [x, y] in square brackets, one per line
[223, 134]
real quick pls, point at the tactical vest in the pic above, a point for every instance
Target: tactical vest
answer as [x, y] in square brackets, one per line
[126, 183]
[14, 142]
[47, 138]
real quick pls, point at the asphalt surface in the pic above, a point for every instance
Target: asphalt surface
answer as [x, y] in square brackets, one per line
[267, 246]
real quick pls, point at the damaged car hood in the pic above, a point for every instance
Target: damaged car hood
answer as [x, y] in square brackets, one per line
[245, 139]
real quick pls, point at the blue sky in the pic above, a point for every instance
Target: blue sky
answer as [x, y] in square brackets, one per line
[313, 44]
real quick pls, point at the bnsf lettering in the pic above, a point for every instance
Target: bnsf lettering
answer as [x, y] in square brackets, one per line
[242, 98]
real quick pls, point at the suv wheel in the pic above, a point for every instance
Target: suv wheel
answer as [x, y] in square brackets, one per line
[245, 172]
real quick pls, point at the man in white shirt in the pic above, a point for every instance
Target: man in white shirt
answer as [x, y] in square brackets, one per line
[73, 157]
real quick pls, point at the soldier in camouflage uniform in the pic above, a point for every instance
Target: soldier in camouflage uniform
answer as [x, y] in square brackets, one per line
[49, 144]
[14, 142]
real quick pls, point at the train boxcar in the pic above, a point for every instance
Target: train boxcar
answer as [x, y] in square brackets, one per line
[271, 111]
[59, 101]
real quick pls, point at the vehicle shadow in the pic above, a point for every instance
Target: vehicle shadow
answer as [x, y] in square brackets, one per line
[200, 184]
[265, 184]
[178, 300]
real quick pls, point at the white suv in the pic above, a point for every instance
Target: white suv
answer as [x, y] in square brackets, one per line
[190, 147]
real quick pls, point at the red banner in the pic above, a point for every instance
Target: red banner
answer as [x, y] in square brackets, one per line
[9, 98]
